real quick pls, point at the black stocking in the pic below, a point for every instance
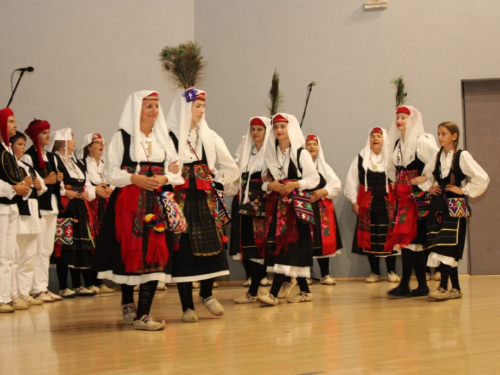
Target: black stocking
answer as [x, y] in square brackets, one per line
[247, 265]
[127, 294]
[90, 278]
[206, 287]
[278, 281]
[374, 264]
[146, 294]
[258, 272]
[62, 275]
[324, 266]
[445, 274]
[304, 287]
[186, 295]
[390, 263]
[408, 258]
[76, 277]
[454, 278]
[419, 266]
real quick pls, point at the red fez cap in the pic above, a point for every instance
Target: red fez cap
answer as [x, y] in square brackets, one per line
[376, 130]
[257, 121]
[152, 96]
[311, 137]
[96, 136]
[4, 115]
[279, 118]
[403, 109]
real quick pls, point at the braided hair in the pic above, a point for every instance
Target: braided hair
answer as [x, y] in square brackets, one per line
[453, 129]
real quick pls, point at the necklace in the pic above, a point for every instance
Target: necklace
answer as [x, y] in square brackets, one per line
[281, 158]
[71, 165]
[149, 143]
[373, 165]
[254, 153]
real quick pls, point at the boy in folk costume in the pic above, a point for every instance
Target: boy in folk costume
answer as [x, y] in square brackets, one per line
[46, 165]
[12, 189]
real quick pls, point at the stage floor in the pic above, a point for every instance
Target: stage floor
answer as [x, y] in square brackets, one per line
[350, 328]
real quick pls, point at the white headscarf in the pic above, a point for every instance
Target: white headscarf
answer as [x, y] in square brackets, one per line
[258, 161]
[414, 129]
[87, 141]
[179, 121]
[131, 123]
[65, 134]
[296, 141]
[385, 153]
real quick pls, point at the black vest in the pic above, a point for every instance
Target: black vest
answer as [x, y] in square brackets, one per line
[10, 173]
[457, 172]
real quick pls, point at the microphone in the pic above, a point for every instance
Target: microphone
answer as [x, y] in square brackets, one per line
[313, 83]
[27, 69]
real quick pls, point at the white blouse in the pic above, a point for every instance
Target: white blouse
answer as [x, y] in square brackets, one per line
[116, 150]
[478, 178]
[425, 149]
[333, 184]
[75, 172]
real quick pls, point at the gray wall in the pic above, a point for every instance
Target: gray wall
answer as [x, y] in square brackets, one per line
[90, 55]
[352, 54]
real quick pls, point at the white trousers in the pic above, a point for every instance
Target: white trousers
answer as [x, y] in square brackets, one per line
[24, 266]
[8, 229]
[44, 249]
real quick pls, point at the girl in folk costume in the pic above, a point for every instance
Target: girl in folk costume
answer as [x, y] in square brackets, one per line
[12, 189]
[449, 169]
[28, 229]
[289, 242]
[131, 248]
[46, 164]
[75, 256]
[92, 157]
[412, 149]
[251, 210]
[367, 188]
[326, 234]
[207, 167]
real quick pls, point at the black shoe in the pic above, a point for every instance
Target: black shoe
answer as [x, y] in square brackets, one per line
[399, 292]
[420, 292]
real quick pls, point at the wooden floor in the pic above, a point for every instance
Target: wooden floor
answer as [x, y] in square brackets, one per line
[350, 328]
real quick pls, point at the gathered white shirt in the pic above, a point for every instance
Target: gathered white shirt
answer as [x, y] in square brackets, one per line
[116, 150]
[478, 178]
[333, 184]
[78, 174]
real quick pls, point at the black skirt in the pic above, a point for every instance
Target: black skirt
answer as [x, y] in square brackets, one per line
[202, 232]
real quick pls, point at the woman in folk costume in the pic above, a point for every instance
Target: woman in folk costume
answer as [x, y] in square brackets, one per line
[29, 227]
[326, 233]
[12, 189]
[367, 188]
[91, 154]
[289, 242]
[412, 149]
[447, 175]
[207, 167]
[251, 210]
[131, 248]
[76, 256]
[46, 164]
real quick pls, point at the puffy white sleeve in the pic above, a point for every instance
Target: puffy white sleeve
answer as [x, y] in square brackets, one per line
[352, 182]
[428, 169]
[6, 190]
[112, 165]
[62, 190]
[426, 149]
[239, 150]
[333, 184]
[310, 177]
[479, 179]
[227, 169]
[44, 187]
[89, 188]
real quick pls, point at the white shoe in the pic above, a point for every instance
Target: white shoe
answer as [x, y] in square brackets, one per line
[327, 280]
[269, 299]
[95, 289]
[161, 288]
[67, 293]
[54, 296]
[147, 323]
[84, 292]
[393, 277]
[265, 282]
[248, 282]
[31, 301]
[129, 313]
[6, 307]
[43, 296]
[189, 316]
[19, 304]
[247, 298]
[196, 285]
[373, 278]
[212, 305]
[301, 297]
[106, 289]
[285, 289]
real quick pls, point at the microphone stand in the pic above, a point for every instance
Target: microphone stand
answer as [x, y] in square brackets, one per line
[15, 88]
[307, 101]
